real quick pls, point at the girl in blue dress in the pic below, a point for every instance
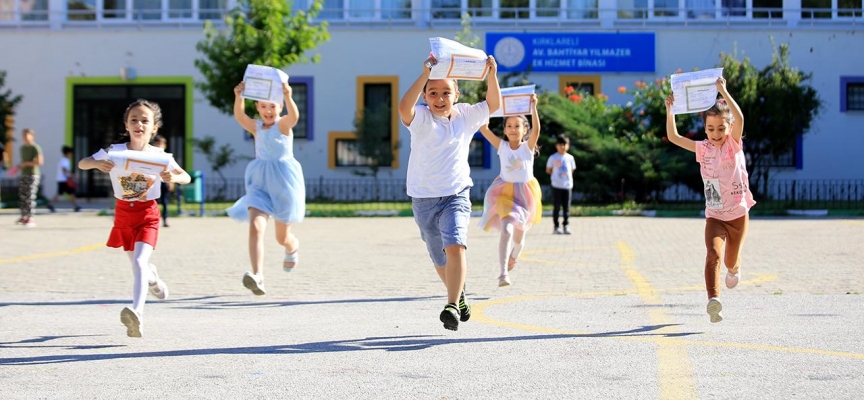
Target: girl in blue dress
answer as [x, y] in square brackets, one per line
[274, 183]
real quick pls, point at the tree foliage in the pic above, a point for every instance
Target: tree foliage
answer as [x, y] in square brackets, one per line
[8, 102]
[372, 127]
[262, 32]
[219, 157]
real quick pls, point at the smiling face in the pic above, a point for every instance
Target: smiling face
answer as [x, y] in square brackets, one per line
[515, 129]
[268, 111]
[440, 95]
[141, 124]
[717, 129]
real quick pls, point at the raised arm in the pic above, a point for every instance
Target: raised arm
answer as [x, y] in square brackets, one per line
[535, 124]
[406, 105]
[493, 139]
[737, 115]
[672, 129]
[493, 91]
[293, 113]
[240, 110]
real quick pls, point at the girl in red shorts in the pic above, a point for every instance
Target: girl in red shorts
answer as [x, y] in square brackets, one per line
[135, 169]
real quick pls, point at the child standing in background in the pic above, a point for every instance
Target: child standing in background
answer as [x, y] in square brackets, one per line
[728, 199]
[439, 179]
[512, 203]
[274, 183]
[136, 215]
[65, 180]
[560, 167]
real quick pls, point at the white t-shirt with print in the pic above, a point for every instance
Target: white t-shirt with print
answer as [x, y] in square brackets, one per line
[134, 186]
[562, 170]
[516, 165]
[64, 163]
[438, 163]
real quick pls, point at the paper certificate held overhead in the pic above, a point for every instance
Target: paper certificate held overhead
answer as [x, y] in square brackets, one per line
[457, 61]
[263, 83]
[695, 91]
[515, 101]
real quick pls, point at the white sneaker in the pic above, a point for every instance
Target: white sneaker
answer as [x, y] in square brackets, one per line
[254, 283]
[557, 231]
[714, 308]
[504, 280]
[732, 279]
[567, 230]
[132, 320]
[158, 288]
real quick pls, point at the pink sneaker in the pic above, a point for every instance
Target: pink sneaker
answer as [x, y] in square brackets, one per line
[732, 279]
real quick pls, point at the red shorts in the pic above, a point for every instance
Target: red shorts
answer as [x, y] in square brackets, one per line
[134, 221]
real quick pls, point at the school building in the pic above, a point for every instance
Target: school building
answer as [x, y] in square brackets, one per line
[78, 63]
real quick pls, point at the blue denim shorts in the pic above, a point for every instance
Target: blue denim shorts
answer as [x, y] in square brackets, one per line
[443, 222]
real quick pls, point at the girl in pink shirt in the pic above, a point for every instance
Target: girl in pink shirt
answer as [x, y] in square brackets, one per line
[727, 189]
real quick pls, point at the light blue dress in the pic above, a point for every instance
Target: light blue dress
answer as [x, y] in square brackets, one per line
[274, 179]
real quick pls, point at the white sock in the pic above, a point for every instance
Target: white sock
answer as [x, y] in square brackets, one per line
[505, 245]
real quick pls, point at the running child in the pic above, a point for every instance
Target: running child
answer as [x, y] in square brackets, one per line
[512, 203]
[274, 184]
[439, 180]
[136, 214]
[724, 174]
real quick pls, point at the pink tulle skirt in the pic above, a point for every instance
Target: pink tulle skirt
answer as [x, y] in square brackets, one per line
[519, 201]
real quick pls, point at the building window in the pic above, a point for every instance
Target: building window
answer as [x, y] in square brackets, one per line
[849, 9]
[734, 8]
[478, 152]
[23, 10]
[589, 84]
[816, 9]
[302, 88]
[377, 97]
[851, 93]
[768, 9]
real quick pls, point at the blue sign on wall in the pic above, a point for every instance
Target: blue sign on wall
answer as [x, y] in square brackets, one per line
[572, 52]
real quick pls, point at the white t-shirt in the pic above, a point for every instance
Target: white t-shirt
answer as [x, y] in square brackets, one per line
[516, 165]
[562, 170]
[130, 185]
[438, 163]
[63, 164]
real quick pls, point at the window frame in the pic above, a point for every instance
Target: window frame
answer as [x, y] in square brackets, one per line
[845, 82]
[361, 82]
[565, 80]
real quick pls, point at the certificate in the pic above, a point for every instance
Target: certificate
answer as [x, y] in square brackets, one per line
[515, 101]
[145, 167]
[456, 61]
[695, 91]
[263, 83]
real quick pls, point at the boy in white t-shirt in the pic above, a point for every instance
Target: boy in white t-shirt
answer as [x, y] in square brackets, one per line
[439, 178]
[65, 180]
[560, 167]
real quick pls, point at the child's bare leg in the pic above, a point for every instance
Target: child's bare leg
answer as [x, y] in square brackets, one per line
[455, 274]
[518, 245]
[287, 239]
[257, 226]
[442, 273]
[505, 244]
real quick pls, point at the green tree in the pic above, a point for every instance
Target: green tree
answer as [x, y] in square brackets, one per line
[219, 157]
[373, 128]
[778, 106]
[262, 32]
[8, 102]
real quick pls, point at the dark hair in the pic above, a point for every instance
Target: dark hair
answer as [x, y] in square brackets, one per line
[153, 106]
[455, 83]
[158, 138]
[66, 150]
[719, 109]
[562, 139]
[527, 126]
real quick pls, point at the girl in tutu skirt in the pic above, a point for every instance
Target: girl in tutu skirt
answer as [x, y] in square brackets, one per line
[274, 184]
[512, 202]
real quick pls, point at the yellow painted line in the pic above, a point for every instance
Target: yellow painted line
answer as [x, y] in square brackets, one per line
[760, 278]
[84, 249]
[675, 372]
[855, 222]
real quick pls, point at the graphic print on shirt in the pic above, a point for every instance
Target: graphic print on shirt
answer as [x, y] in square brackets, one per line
[712, 194]
[561, 168]
[513, 163]
[135, 186]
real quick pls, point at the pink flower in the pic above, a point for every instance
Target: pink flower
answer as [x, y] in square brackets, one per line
[622, 89]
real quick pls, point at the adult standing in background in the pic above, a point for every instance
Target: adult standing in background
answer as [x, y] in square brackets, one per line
[28, 181]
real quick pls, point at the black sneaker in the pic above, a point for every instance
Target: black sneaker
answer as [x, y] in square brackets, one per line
[464, 307]
[450, 317]
[53, 210]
